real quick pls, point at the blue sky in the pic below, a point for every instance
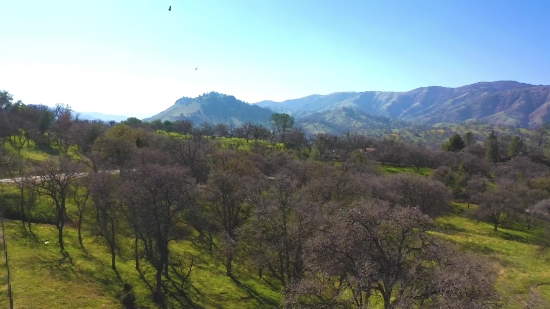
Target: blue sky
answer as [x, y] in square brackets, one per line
[135, 58]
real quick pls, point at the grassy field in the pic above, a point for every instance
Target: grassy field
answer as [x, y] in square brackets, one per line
[522, 266]
[42, 277]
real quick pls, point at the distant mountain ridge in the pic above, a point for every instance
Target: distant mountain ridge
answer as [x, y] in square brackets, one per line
[100, 116]
[501, 102]
[507, 103]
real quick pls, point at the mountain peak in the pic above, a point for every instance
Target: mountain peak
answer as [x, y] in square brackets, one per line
[214, 107]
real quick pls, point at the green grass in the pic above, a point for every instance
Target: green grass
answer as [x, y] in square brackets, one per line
[522, 267]
[395, 169]
[43, 278]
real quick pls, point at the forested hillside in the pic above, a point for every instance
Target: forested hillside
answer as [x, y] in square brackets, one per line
[185, 215]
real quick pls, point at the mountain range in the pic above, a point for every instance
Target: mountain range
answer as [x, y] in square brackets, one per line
[501, 103]
[100, 116]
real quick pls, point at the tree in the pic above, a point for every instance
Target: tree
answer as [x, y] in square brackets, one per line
[259, 132]
[228, 193]
[454, 144]
[542, 130]
[515, 146]
[244, 131]
[494, 205]
[133, 122]
[55, 179]
[417, 156]
[222, 129]
[375, 250]
[156, 124]
[80, 192]
[16, 165]
[278, 229]
[206, 129]
[117, 145]
[104, 190]
[168, 126]
[190, 152]
[157, 198]
[469, 138]
[6, 101]
[281, 123]
[491, 148]
[61, 127]
[430, 196]
[475, 186]
[183, 127]
[45, 121]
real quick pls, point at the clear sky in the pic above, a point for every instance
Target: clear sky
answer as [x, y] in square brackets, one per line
[135, 58]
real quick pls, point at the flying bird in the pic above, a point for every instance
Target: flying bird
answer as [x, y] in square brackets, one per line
[196, 68]
[170, 8]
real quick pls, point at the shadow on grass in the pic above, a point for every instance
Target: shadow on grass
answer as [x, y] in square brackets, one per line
[179, 294]
[477, 248]
[262, 301]
[59, 266]
[449, 228]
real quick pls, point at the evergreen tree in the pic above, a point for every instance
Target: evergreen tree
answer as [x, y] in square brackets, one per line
[491, 147]
[455, 143]
[515, 146]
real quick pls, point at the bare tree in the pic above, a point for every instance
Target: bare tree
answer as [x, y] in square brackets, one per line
[278, 229]
[104, 193]
[222, 129]
[494, 205]
[157, 198]
[374, 250]
[80, 192]
[55, 179]
[192, 153]
[430, 196]
[227, 192]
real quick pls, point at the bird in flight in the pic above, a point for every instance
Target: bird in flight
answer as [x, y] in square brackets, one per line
[170, 8]
[196, 68]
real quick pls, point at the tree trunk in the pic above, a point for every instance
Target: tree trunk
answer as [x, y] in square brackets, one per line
[228, 266]
[136, 255]
[158, 289]
[113, 255]
[387, 304]
[60, 237]
[495, 226]
[165, 261]
[80, 229]
[22, 205]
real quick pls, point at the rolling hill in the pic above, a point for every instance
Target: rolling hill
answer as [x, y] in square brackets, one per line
[502, 102]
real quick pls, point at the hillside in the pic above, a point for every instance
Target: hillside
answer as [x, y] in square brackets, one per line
[502, 103]
[214, 108]
[340, 120]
